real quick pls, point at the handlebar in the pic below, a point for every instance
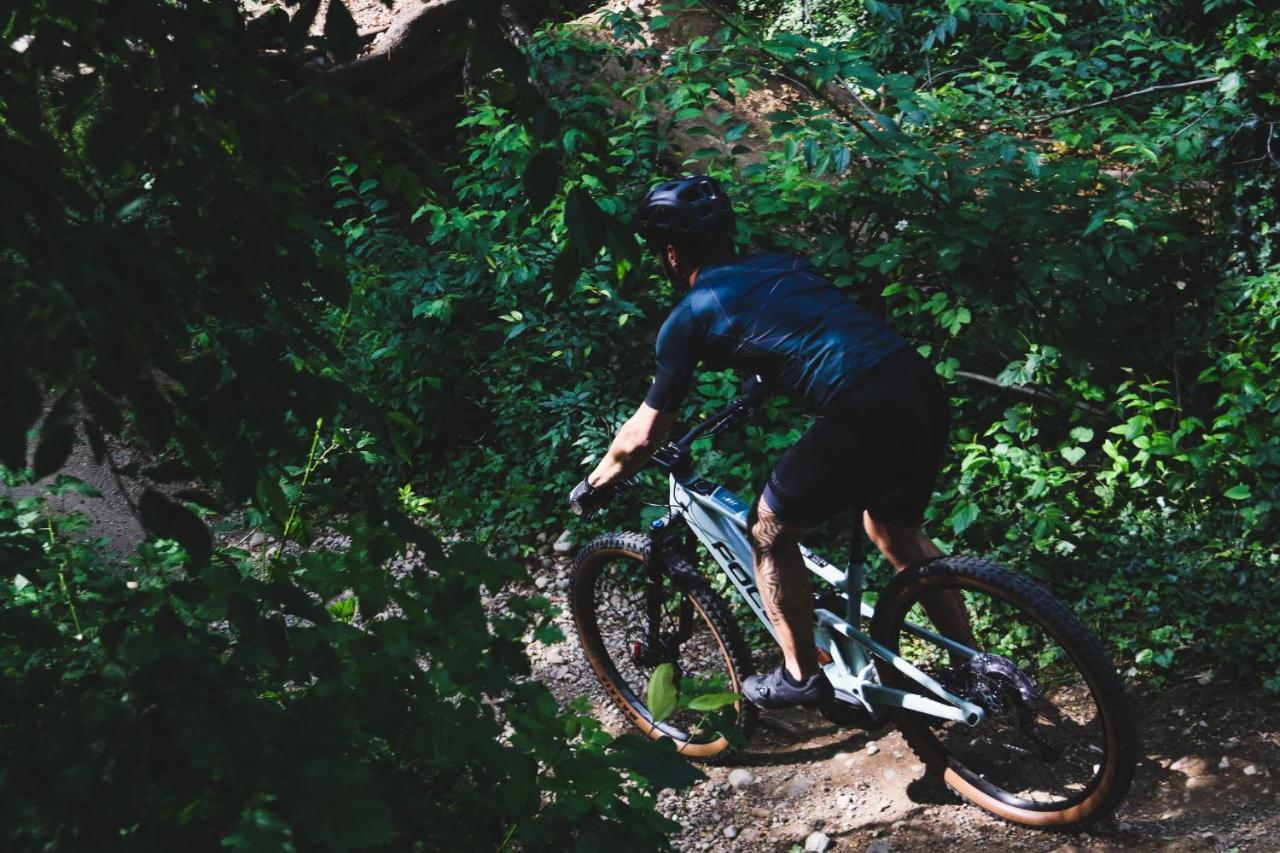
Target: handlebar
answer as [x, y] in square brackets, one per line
[674, 455]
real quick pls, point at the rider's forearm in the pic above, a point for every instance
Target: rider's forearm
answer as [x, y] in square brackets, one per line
[628, 454]
[639, 437]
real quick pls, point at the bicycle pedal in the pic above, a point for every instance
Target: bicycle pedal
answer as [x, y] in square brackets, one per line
[846, 715]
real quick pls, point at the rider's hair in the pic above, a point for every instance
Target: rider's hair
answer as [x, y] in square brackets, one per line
[696, 252]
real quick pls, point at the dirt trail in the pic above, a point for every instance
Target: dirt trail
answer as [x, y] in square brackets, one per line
[1207, 777]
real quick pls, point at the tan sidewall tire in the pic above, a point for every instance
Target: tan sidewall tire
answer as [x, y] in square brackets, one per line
[1117, 717]
[709, 608]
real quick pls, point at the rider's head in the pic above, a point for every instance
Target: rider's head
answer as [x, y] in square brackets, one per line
[688, 224]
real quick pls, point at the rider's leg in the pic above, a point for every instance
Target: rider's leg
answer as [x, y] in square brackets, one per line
[785, 588]
[906, 546]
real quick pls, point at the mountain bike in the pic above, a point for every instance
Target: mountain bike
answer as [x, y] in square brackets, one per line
[1031, 724]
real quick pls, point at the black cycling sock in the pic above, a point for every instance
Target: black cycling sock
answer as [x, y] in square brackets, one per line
[786, 676]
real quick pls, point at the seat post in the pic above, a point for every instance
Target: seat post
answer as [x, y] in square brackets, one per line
[853, 591]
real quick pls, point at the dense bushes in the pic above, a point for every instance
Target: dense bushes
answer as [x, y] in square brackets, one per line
[168, 282]
[252, 290]
[1086, 262]
[227, 706]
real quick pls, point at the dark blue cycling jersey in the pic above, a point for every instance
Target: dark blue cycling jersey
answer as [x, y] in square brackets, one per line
[775, 315]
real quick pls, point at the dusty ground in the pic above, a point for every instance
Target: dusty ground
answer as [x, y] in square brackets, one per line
[1207, 778]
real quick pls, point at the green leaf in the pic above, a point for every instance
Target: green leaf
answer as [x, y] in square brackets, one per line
[260, 831]
[662, 694]
[1230, 84]
[65, 484]
[57, 437]
[565, 270]
[1239, 492]
[542, 178]
[173, 521]
[1082, 434]
[585, 222]
[656, 761]
[1073, 454]
[19, 408]
[1095, 222]
[966, 515]
[712, 701]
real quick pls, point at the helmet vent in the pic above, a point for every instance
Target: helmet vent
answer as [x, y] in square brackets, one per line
[684, 209]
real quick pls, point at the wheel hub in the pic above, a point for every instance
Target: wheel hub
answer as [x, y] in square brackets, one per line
[644, 654]
[1002, 689]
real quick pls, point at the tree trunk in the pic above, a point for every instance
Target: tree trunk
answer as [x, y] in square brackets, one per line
[417, 65]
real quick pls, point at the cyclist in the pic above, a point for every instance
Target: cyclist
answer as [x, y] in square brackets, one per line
[874, 447]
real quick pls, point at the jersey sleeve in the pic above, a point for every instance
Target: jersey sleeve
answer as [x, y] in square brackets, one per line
[679, 350]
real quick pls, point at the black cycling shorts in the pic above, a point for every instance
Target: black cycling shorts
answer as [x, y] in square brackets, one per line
[877, 447]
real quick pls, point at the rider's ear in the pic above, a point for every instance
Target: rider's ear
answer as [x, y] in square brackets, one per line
[673, 257]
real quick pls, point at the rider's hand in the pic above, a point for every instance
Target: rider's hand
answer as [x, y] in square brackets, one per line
[585, 499]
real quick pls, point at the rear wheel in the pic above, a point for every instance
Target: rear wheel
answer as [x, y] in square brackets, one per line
[695, 633]
[1058, 744]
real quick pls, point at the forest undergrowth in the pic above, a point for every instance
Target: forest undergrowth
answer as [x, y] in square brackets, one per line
[310, 323]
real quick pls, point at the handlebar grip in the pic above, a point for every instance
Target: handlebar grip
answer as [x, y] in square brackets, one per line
[586, 503]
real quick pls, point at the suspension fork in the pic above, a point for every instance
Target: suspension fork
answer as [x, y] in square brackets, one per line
[663, 539]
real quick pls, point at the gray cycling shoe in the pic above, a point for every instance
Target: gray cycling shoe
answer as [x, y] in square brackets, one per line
[773, 690]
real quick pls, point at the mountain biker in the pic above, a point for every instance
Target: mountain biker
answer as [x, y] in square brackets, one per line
[875, 446]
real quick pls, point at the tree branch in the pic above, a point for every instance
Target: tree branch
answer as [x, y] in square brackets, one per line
[1203, 81]
[1035, 393]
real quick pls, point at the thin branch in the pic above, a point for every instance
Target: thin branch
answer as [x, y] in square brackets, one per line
[1197, 120]
[1203, 81]
[1036, 393]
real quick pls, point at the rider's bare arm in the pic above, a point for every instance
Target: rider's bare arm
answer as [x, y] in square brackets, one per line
[639, 437]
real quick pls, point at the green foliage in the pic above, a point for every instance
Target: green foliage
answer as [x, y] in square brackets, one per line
[1080, 242]
[662, 695]
[171, 283]
[156, 711]
[1069, 208]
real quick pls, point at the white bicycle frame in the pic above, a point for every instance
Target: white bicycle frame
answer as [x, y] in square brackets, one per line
[718, 518]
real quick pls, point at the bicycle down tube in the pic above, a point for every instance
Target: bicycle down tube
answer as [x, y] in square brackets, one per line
[718, 518]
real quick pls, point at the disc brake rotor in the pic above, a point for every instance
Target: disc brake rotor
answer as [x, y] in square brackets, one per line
[1002, 688]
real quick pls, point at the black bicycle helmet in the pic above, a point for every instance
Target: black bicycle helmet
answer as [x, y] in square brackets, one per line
[675, 212]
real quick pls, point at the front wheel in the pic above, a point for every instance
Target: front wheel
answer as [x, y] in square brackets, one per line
[1058, 744]
[610, 601]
